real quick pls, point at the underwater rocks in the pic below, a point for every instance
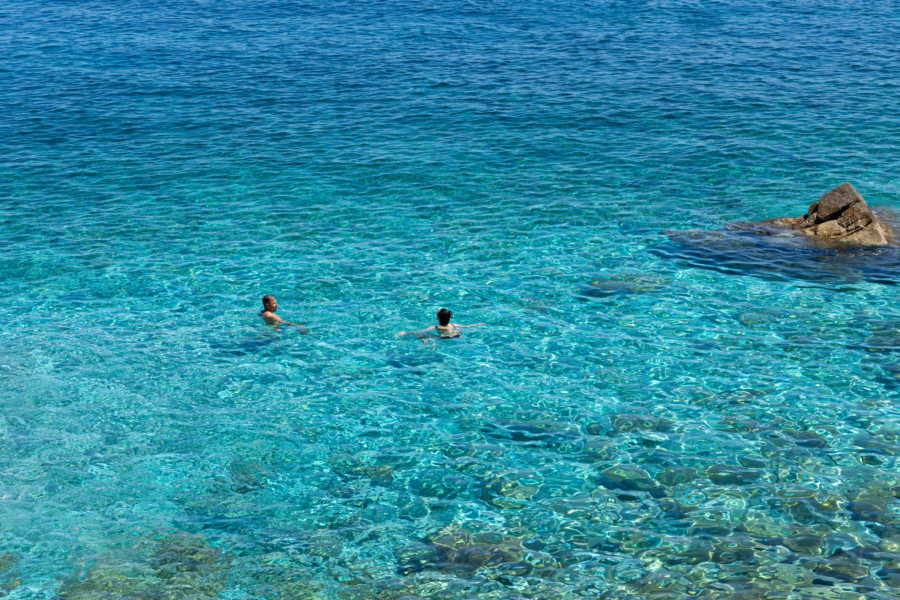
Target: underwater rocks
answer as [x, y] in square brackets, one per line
[9, 577]
[841, 215]
[840, 566]
[537, 433]
[622, 284]
[248, 475]
[176, 565]
[511, 489]
[464, 552]
[885, 338]
[630, 422]
[677, 474]
[625, 422]
[808, 506]
[630, 478]
[732, 475]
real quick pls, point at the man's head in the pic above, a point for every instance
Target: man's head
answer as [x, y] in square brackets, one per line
[270, 303]
[444, 315]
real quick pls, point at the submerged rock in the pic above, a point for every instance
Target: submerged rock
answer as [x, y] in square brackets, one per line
[630, 478]
[351, 467]
[663, 584]
[841, 215]
[735, 548]
[626, 422]
[806, 543]
[509, 489]
[883, 340]
[622, 284]
[9, 578]
[731, 475]
[540, 432]
[439, 483]
[808, 439]
[174, 565]
[464, 552]
[677, 474]
[808, 506]
[841, 566]
[248, 475]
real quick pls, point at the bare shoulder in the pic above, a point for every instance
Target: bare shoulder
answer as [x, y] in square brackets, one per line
[270, 317]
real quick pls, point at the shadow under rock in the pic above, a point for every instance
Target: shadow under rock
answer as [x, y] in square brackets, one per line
[773, 253]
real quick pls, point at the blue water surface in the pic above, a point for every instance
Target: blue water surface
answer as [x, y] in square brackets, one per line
[645, 415]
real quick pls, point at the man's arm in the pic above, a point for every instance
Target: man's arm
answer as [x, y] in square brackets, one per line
[273, 319]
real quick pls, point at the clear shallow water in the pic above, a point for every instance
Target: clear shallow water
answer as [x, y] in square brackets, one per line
[643, 417]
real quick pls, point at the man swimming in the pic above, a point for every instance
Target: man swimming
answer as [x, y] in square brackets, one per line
[270, 305]
[444, 328]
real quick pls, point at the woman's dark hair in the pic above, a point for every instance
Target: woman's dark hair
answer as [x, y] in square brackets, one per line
[444, 316]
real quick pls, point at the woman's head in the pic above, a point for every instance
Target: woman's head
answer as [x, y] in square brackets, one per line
[443, 316]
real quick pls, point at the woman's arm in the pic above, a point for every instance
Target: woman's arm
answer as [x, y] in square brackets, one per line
[416, 331]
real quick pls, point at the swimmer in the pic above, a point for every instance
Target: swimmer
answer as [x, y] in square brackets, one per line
[444, 328]
[270, 305]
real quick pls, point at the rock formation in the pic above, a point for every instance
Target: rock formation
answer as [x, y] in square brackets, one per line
[840, 239]
[841, 215]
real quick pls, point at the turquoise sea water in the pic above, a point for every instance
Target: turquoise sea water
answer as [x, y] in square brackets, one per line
[643, 416]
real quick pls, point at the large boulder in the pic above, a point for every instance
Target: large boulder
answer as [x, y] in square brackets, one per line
[841, 215]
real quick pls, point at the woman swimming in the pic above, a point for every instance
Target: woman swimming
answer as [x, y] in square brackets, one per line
[444, 328]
